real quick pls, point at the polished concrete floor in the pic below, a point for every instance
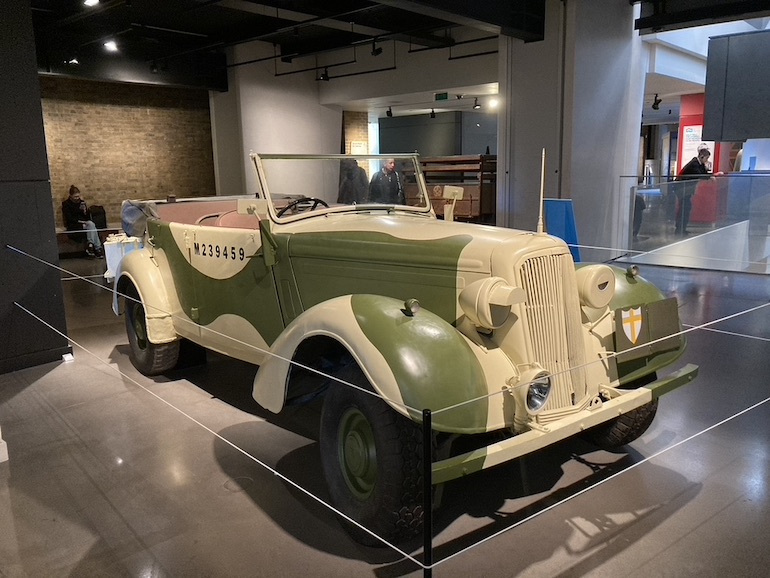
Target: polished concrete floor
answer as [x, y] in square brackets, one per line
[115, 474]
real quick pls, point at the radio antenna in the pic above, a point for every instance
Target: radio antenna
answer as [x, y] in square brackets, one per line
[542, 192]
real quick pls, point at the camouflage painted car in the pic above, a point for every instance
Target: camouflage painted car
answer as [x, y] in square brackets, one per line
[492, 329]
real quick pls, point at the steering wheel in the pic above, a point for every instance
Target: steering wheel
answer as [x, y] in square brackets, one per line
[313, 203]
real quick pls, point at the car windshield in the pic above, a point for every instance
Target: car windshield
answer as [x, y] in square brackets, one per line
[304, 184]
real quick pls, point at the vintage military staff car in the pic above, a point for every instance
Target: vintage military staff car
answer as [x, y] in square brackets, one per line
[322, 286]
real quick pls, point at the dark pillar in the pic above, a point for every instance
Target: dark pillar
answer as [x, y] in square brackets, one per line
[26, 212]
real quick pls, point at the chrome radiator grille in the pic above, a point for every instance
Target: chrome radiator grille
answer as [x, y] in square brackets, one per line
[552, 319]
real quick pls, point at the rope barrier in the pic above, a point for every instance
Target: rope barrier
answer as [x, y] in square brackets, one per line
[689, 328]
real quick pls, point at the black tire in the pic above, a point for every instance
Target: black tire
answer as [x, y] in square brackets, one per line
[625, 428]
[148, 358]
[372, 461]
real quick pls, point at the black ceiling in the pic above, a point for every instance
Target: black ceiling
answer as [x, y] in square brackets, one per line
[182, 41]
[664, 15]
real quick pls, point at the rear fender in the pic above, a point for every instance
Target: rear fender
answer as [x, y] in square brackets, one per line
[414, 362]
[143, 271]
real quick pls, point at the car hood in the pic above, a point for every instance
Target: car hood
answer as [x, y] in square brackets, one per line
[412, 239]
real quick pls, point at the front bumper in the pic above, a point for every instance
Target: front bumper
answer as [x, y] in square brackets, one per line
[535, 439]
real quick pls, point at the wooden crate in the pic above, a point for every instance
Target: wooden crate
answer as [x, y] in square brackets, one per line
[475, 174]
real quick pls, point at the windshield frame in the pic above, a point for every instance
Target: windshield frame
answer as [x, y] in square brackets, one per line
[261, 160]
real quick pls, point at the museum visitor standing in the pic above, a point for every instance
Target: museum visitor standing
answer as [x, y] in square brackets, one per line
[386, 186]
[694, 170]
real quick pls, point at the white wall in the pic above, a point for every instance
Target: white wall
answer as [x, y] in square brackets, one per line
[275, 115]
[226, 139]
[529, 120]
[579, 94]
[756, 152]
[604, 111]
[696, 40]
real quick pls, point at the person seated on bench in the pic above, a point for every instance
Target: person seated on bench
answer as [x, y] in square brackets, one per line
[77, 217]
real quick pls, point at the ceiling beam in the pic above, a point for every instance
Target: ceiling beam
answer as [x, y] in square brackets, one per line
[523, 19]
[659, 16]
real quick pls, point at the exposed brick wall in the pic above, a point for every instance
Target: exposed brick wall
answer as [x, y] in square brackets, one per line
[355, 127]
[117, 142]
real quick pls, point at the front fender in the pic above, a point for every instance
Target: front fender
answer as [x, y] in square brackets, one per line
[143, 271]
[414, 362]
[631, 291]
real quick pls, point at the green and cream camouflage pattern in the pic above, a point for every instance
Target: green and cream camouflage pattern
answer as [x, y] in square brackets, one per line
[492, 329]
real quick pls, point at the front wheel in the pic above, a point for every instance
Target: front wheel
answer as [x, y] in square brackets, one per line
[149, 358]
[372, 461]
[625, 428]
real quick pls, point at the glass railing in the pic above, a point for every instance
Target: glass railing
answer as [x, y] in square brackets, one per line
[726, 229]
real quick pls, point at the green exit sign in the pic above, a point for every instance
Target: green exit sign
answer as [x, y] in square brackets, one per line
[441, 96]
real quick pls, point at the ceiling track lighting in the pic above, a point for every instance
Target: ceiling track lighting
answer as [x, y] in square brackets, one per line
[154, 67]
[656, 102]
[432, 113]
[376, 50]
[324, 75]
[476, 104]
[389, 112]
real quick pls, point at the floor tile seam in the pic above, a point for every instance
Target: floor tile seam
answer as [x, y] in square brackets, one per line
[612, 477]
[255, 459]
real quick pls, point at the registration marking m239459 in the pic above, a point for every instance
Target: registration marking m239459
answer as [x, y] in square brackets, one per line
[219, 251]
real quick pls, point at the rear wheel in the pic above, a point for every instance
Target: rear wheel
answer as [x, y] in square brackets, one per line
[372, 461]
[625, 428]
[149, 358]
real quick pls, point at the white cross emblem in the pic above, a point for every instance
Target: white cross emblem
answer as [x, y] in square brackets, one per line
[632, 323]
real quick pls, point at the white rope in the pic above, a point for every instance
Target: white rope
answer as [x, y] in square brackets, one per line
[733, 333]
[220, 437]
[632, 254]
[690, 328]
[600, 482]
[75, 276]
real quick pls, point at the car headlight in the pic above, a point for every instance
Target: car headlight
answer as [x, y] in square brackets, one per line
[538, 391]
[596, 285]
[487, 302]
[531, 392]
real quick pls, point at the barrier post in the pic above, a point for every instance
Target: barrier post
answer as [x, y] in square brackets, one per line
[427, 493]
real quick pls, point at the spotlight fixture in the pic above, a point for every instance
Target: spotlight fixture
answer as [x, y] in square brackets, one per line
[324, 75]
[90, 3]
[432, 113]
[476, 104]
[110, 46]
[72, 61]
[389, 112]
[154, 67]
[376, 50]
[656, 102]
